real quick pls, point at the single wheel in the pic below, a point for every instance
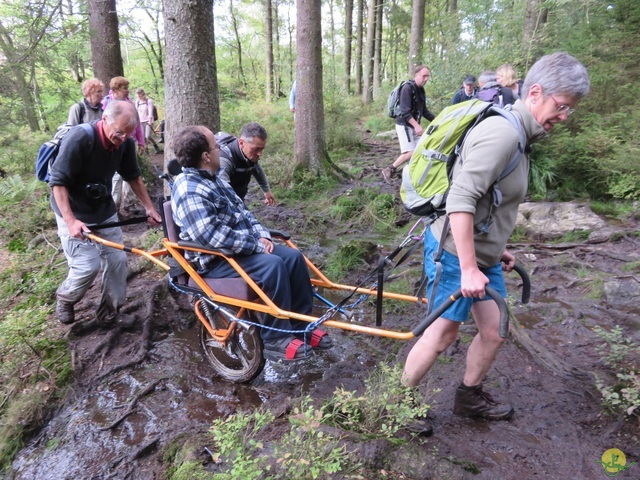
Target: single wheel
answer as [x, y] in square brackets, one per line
[241, 359]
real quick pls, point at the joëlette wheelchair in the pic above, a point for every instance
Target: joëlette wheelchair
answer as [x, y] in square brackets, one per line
[229, 310]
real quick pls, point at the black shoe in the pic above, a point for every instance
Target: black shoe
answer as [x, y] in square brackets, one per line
[158, 150]
[64, 313]
[473, 402]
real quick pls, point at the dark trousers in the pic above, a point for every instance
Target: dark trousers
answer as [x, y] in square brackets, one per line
[284, 277]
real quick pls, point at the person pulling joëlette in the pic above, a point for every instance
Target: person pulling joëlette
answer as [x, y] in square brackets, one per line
[80, 180]
[473, 259]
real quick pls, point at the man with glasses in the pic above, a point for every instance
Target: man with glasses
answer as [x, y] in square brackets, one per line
[80, 180]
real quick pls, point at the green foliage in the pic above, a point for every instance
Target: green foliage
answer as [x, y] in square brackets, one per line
[306, 451]
[346, 257]
[381, 411]
[236, 442]
[35, 365]
[622, 355]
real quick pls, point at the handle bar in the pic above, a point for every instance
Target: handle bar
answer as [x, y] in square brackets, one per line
[526, 283]
[440, 309]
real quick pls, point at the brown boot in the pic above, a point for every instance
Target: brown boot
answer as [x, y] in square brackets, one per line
[473, 402]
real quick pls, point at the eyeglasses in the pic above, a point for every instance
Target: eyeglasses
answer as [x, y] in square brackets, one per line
[217, 147]
[562, 107]
[120, 135]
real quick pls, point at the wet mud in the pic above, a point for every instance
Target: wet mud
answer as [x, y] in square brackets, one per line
[139, 390]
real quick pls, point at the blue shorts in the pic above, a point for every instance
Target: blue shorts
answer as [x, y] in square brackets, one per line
[450, 280]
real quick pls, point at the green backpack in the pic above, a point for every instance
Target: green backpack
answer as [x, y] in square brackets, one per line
[426, 179]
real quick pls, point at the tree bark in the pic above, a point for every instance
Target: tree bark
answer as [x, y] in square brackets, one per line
[236, 33]
[535, 18]
[359, 44]
[377, 55]
[367, 92]
[105, 40]
[191, 85]
[348, 36]
[417, 35]
[309, 145]
[269, 33]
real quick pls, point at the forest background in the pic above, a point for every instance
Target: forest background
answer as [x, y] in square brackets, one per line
[255, 52]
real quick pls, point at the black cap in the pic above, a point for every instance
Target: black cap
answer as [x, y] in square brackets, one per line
[469, 79]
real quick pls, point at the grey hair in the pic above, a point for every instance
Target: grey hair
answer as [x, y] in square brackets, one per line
[558, 73]
[251, 130]
[486, 77]
[116, 108]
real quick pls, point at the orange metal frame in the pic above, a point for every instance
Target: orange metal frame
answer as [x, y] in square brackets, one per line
[264, 305]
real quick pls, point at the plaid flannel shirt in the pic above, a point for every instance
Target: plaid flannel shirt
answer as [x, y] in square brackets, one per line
[208, 212]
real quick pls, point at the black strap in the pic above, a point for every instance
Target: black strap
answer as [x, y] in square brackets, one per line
[130, 221]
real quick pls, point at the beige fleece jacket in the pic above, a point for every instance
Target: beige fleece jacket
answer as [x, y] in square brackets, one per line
[485, 154]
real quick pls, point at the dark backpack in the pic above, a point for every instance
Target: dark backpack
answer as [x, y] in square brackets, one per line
[393, 104]
[155, 113]
[83, 109]
[48, 151]
[224, 139]
[491, 94]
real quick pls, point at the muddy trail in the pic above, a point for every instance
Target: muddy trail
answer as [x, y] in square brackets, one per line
[139, 391]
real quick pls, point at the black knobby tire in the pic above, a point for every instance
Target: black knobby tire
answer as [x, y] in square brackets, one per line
[242, 359]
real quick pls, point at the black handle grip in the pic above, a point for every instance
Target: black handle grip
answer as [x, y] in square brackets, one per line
[526, 283]
[440, 309]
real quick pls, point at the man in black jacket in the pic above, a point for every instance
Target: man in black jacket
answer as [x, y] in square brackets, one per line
[239, 161]
[413, 107]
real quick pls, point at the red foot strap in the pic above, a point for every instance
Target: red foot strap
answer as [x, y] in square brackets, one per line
[292, 348]
[316, 337]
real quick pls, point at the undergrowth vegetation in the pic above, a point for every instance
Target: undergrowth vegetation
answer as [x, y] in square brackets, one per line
[314, 442]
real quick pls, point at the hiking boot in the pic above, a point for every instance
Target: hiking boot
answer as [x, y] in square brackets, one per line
[125, 320]
[158, 149]
[64, 313]
[473, 402]
[388, 173]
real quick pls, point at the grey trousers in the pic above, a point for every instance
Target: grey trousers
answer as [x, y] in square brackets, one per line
[85, 259]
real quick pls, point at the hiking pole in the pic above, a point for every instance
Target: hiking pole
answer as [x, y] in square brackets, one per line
[503, 329]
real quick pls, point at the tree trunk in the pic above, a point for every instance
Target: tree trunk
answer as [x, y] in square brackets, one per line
[234, 23]
[377, 55]
[269, 33]
[105, 40]
[309, 145]
[417, 35]
[348, 35]
[367, 92]
[359, 42]
[191, 85]
[20, 82]
[535, 18]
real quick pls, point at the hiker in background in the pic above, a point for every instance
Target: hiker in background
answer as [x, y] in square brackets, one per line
[506, 76]
[209, 213]
[80, 180]
[144, 105]
[239, 162]
[292, 98]
[413, 106]
[490, 90]
[467, 91]
[472, 260]
[90, 108]
[120, 91]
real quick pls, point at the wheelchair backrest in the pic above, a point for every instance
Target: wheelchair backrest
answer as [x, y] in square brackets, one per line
[172, 232]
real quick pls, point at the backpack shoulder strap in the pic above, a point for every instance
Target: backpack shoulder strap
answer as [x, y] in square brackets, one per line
[522, 143]
[83, 110]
